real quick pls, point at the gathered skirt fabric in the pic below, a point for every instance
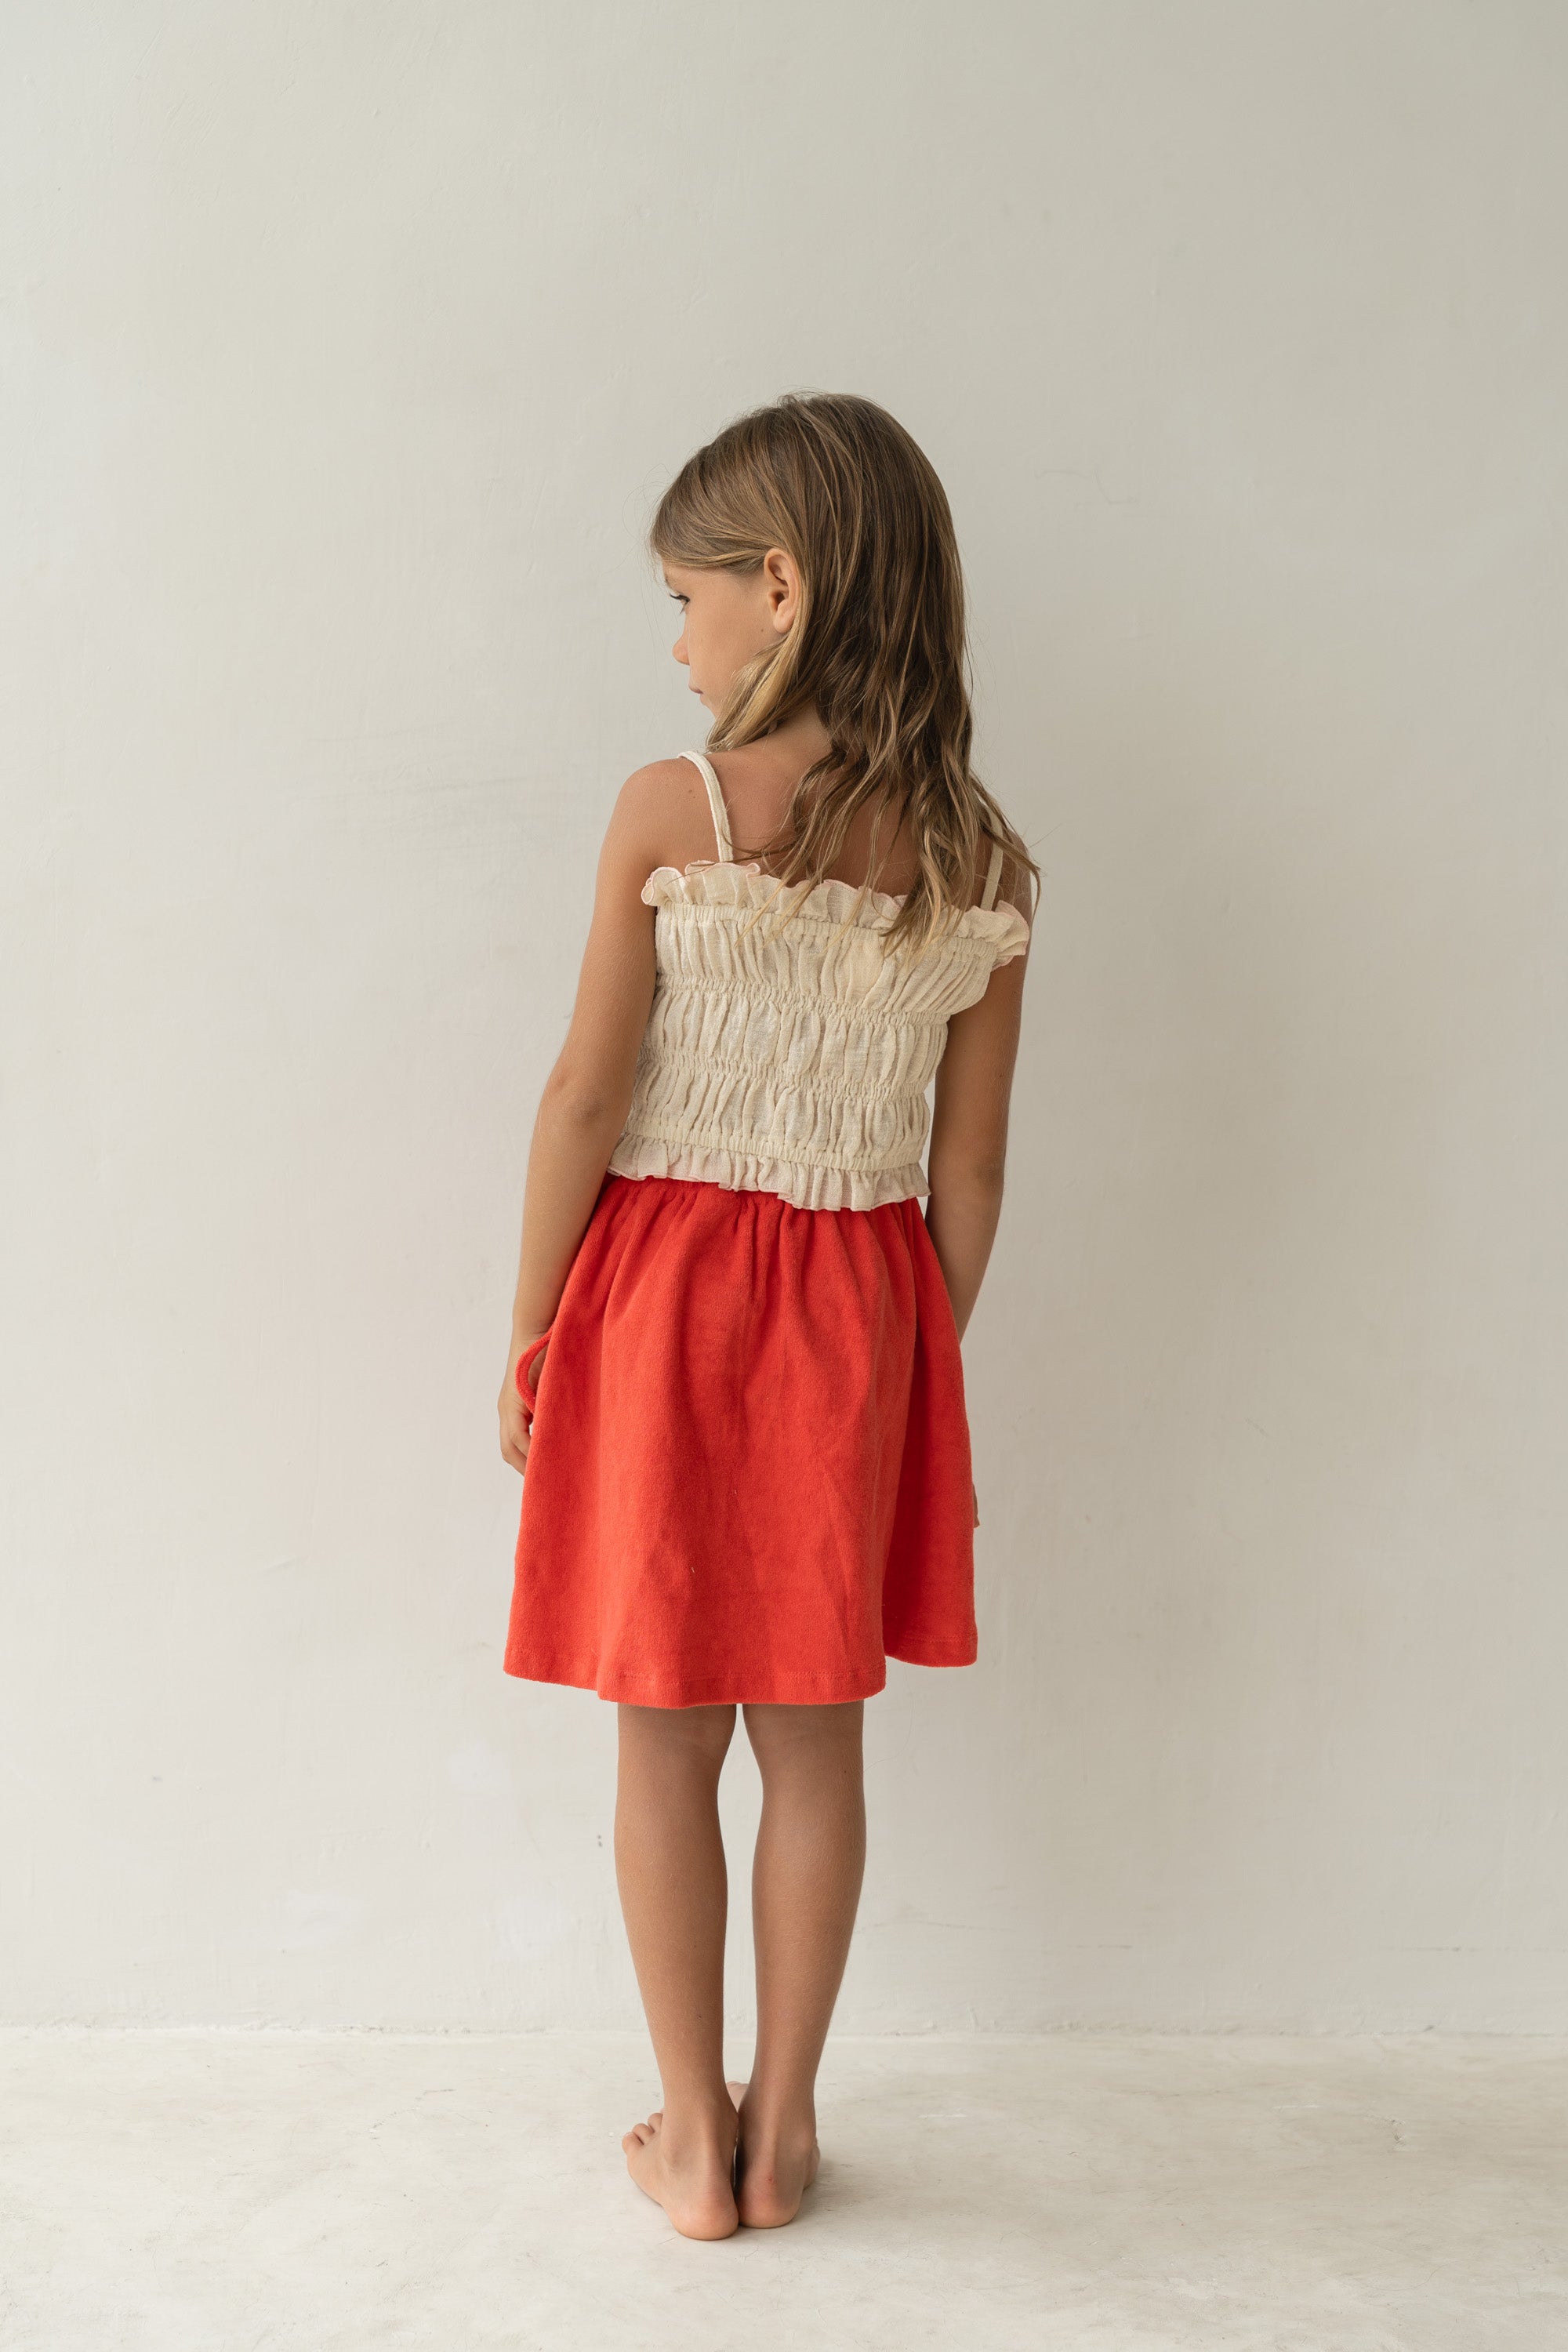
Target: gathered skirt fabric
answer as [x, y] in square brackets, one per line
[749, 1475]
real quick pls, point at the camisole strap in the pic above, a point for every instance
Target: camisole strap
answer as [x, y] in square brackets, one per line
[993, 877]
[716, 803]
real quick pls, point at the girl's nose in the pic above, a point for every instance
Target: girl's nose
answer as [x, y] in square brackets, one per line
[679, 648]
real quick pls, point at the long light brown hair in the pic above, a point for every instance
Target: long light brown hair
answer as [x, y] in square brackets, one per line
[879, 645]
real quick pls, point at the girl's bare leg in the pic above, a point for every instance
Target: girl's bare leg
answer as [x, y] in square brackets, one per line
[670, 1862]
[805, 1885]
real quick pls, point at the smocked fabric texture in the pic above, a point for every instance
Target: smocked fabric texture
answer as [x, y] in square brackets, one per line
[793, 1055]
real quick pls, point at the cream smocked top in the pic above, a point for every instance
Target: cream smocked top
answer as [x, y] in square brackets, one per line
[795, 1059]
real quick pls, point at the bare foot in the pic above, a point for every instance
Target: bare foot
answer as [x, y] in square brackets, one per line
[693, 2182]
[772, 2175]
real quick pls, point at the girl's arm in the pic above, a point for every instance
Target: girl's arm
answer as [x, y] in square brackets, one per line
[969, 1133]
[588, 1093]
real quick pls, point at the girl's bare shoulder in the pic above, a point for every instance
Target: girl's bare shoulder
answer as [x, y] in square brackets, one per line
[661, 816]
[662, 788]
[1015, 888]
[664, 809]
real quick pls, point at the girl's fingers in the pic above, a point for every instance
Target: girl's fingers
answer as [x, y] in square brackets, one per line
[515, 1433]
[519, 1402]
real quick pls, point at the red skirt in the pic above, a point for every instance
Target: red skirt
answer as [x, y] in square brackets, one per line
[748, 1473]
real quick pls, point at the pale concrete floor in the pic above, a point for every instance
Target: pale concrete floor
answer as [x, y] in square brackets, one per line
[285, 2193]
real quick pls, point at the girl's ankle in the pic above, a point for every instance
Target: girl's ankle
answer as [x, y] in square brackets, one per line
[774, 2124]
[696, 2124]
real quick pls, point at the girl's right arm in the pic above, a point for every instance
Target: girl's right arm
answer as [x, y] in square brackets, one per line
[587, 1095]
[967, 1160]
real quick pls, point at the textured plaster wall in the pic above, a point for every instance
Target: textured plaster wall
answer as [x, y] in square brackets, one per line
[342, 351]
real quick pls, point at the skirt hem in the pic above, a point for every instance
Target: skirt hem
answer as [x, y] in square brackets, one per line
[726, 1690]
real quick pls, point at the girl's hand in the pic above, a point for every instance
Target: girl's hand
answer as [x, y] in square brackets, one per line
[514, 1412]
[972, 1489]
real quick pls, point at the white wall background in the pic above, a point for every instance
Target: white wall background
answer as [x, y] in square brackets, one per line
[345, 351]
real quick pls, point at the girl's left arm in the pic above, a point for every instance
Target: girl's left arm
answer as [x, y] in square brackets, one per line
[588, 1092]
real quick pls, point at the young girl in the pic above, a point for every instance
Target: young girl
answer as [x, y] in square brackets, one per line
[735, 1375]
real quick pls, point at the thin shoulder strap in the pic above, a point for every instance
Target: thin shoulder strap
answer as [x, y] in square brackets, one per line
[716, 803]
[993, 877]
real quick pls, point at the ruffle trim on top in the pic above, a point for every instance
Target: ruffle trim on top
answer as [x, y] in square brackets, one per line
[804, 1187]
[1000, 932]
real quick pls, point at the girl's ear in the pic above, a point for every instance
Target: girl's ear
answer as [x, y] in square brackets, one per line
[781, 581]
